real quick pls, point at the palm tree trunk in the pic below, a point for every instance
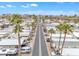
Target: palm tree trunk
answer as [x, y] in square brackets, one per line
[63, 42]
[51, 40]
[19, 44]
[59, 41]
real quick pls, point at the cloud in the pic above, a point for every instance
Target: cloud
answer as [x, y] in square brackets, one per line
[1, 6]
[25, 6]
[10, 6]
[29, 5]
[6, 6]
[34, 5]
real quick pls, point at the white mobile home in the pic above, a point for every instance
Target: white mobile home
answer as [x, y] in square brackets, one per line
[11, 43]
[70, 41]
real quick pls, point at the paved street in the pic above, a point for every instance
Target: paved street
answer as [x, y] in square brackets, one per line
[39, 48]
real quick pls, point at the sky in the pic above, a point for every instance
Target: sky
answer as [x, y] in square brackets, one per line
[43, 8]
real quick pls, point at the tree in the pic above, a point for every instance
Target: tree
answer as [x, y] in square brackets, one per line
[34, 17]
[59, 28]
[51, 31]
[28, 25]
[33, 25]
[66, 29]
[75, 15]
[16, 20]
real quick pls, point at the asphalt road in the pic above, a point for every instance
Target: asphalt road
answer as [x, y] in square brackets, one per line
[39, 48]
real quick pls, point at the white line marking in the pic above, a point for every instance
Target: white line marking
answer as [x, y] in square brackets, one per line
[39, 42]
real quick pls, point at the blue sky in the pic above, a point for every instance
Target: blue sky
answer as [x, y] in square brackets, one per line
[49, 8]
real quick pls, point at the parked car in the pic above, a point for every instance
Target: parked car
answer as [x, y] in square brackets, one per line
[8, 52]
[12, 52]
[26, 49]
[3, 52]
[25, 43]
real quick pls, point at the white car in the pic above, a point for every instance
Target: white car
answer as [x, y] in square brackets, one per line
[12, 52]
[3, 51]
[26, 49]
[8, 51]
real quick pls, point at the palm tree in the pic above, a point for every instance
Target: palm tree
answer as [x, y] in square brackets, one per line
[46, 18]
[2, 16]
[33, 25]
[34, 17]
[28, 25]
[51, 31]
[16, 20]
[66, 29]
[59, 28]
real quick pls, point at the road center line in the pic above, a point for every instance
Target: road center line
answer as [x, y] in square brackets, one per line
[39, 42]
